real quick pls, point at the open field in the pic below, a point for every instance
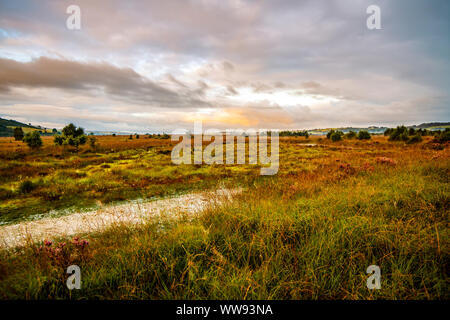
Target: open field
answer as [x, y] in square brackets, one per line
[308, 232]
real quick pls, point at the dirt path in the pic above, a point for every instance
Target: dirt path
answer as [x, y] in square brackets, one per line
[130, 213]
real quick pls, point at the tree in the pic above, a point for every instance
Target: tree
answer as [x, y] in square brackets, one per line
[399, 134]
[72, 130]
[33, 140]
[336, 136]
[363, 135]
[18, 134]
[388, 131]
[71, 135]
[54, 131]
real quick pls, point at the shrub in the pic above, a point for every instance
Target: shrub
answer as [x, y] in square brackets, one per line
[363, 135]
[350, 135]
[415, 139]
[18, 134]
[72, 130]
[329, 134]
[6, 194]
[26, 186]
[443, 136]
[33, 140]
[58, 140]
[92, 141]
[336, 133]
[424, 132]
[71, 135]
[404, 137]
[398, 134]
[336, 136]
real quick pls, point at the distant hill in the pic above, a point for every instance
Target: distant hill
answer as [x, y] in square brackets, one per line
[380, 130]
[7, 127]
[433, 125]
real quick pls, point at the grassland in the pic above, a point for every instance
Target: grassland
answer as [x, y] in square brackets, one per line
[308, 232]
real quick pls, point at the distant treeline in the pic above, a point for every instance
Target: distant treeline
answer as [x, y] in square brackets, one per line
[411, 135]
[297, 133]
[432, 124]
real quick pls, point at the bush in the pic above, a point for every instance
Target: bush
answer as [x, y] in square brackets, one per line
[336, 136]
[329, 133]
[92, 141]
[424, 132]
[443, 136]
[404, 137]
[6, 194]
[350, 135]
[363, 135]
[399, 134]
[415, 139]
[72, 130]
[71, 135]
[336, 133]
[33, 140]
[18, 134]
[26, 186]
[58, 140]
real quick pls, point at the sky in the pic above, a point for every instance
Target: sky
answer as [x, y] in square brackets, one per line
[152, 66]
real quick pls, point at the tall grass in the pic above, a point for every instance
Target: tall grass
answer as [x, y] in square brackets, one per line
[308, 233]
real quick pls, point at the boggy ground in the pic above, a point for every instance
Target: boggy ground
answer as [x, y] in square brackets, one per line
[308, 232]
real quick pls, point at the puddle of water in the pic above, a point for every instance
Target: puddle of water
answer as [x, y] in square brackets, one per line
[133, 212]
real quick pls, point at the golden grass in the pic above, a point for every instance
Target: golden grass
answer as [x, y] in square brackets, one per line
[309, 232]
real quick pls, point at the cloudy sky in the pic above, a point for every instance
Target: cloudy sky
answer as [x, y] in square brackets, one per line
[146, 66]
